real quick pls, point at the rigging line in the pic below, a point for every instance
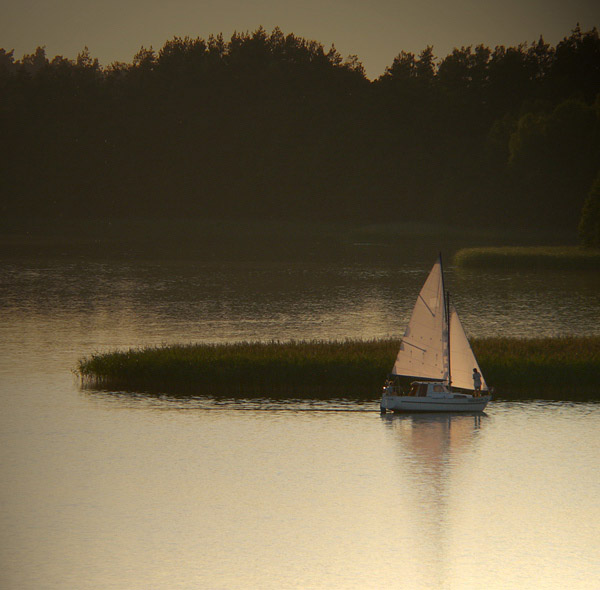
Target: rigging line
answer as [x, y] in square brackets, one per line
[427, 306]
[414, 346]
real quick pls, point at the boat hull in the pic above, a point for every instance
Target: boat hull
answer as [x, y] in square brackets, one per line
[462, 403]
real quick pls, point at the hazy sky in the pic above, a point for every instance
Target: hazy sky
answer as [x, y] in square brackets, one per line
[375, 30]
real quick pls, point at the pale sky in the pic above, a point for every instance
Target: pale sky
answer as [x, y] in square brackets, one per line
[375, 30]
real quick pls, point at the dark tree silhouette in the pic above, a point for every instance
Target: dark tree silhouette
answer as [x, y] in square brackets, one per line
[271, 125]
[589, 225]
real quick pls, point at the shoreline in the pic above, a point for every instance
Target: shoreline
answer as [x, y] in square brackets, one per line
[528, 257]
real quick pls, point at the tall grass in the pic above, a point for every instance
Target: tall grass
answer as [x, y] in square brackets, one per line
[551, 368]
[350, 368]
[542, 257]
[565, 367]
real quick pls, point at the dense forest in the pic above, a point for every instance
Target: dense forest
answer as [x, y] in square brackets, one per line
[273, 125]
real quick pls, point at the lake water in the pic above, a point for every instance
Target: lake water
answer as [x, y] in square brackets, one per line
[114, 491]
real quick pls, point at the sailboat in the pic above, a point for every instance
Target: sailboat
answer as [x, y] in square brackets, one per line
[435, 350]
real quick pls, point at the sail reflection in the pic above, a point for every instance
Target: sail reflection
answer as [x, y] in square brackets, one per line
[435, 437]
[433, 451]
[432, 444]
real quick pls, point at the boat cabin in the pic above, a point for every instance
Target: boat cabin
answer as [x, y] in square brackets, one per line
[425, 388]
[417, 389]
[436, 389]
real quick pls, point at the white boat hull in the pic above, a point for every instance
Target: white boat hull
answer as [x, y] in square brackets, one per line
[443, 403]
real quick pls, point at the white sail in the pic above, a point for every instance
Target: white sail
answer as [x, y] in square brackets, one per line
[423, 351]
[462, 359]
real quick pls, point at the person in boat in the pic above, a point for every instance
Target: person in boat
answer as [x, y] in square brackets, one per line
[414, 389]
[477, 382]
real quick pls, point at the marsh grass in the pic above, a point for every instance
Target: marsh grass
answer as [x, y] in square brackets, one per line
[533, 257]
[565, 367]
[550, 368]
[320, 368]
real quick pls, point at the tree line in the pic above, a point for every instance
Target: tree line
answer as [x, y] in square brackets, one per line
[274, 125]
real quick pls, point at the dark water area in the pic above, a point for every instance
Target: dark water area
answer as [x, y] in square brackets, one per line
[119, 490]
[328, 284]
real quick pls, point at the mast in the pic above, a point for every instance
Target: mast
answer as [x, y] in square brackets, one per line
[448, 336]
[446, 296]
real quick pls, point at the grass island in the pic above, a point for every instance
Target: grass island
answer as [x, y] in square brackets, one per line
[562, 368]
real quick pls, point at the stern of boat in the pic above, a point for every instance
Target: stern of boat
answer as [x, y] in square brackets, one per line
[389, 396]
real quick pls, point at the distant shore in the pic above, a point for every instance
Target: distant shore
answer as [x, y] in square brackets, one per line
[563, 368]
[531, 257]
[202, 238]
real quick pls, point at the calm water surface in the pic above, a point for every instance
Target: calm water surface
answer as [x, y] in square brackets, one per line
[113, 491]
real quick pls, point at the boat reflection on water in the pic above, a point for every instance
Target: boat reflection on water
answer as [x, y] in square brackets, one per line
[433, 443]
[435, 455]
[434, 435]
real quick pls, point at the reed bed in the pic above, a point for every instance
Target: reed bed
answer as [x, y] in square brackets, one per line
[534, 257]
[549, 368]
[566, 367]
[315, 368]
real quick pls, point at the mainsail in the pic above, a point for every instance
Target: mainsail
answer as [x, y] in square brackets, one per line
[425, 349]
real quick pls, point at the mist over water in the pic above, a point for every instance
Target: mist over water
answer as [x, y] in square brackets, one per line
[110, 490]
